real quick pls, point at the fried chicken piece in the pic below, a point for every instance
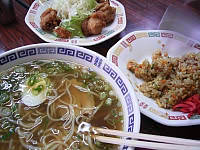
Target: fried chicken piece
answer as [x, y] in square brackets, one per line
[62, 32]
[108, 11]
[94, 24]
[49, 19]
[84, 27]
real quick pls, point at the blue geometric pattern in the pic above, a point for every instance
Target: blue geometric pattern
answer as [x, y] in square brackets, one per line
[127, 97]
[130, 128]
[125, 147]
[109, 71]
[131, 123]
[154, 34]
[27, 52]
[98, 62]
[106, 68]
[129, 103]
[66, 51]
[8, 58]
[113, 74]
[46, 50]
[84, 56]
[121, 85]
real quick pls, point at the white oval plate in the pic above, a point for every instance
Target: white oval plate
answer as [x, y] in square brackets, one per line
[139, 45]
[32, 19]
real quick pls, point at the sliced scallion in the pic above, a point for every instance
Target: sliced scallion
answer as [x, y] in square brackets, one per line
[108, 101]
[4, 97]
[102, 95]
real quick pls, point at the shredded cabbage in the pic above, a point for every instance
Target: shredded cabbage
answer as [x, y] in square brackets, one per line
[68, 8]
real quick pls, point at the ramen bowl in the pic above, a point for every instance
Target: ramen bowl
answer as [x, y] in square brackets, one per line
[75, 55]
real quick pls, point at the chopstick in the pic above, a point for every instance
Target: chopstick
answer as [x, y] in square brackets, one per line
[144, 144]
[150, 137]
[168, 143]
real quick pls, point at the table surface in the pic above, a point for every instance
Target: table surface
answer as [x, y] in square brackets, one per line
[141, 15]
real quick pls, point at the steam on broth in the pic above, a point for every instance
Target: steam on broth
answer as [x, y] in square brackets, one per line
[59, 96]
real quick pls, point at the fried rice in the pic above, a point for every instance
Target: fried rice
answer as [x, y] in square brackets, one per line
[168, 80]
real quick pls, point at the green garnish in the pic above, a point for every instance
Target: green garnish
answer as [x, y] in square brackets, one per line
[103, 95]
[6, 136]
[67, 68]
[4, 97]
[5, 111]
[20, 69]
[13, 108]
[46, 121]
[37, 83]
[84, 85]
[108, 101]
[32, 80]
[79, 137]
[98, 144]
[119, 119]
[152, 66]
[85, 76]
[114, 113]
[107, 87]
[38, 89]
[92, 75]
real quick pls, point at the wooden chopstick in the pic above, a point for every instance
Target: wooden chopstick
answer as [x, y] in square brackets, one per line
[144, 144]
[149, 137]
[168, 143]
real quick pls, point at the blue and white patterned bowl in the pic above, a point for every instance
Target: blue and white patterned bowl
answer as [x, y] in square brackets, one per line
[87, 58]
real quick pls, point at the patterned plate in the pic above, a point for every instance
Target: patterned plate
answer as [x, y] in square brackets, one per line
[32, 19]
[140, 45]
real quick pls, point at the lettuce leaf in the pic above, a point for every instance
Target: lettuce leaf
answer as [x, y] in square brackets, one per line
[74, 26]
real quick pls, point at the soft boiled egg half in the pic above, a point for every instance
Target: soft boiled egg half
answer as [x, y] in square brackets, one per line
[35, 90]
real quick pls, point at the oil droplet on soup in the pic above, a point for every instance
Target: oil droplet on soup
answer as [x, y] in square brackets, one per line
[42, 103]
